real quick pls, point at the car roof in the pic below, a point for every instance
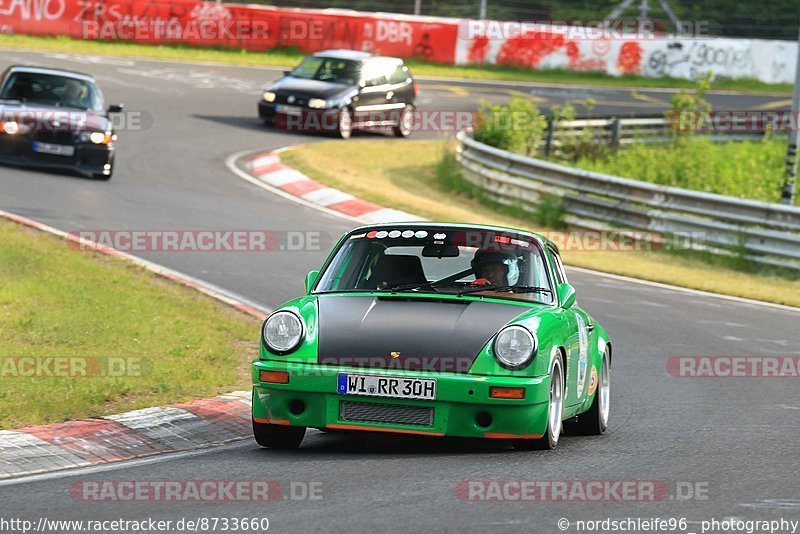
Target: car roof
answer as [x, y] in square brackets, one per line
[343, 53]
[53, 72]
[538, 237]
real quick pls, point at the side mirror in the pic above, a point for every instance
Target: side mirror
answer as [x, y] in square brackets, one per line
[311, 279]
[287, 73]
[566, 295]
[116, 108]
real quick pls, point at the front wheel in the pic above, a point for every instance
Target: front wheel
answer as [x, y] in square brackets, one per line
[594, 421]
[405, 124]
[345, 126]
[550, 438]
[278, 436]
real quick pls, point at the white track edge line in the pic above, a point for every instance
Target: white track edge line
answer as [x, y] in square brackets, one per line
[230, 162]
[216, 292]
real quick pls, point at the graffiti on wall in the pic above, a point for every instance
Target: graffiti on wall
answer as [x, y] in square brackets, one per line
[689, 57]
[450, 41]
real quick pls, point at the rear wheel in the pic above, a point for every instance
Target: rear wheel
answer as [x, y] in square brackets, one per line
[550, 438]
[594, 421]
[278, 436]
[405, 124]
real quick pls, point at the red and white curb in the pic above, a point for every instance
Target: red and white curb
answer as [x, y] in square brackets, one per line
[114, 438]
[135, 434]
[267, 168]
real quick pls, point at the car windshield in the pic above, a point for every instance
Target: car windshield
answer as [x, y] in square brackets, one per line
[440, 260]
[52, 90]
[328, 69]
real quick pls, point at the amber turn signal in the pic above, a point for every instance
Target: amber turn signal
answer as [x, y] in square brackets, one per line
[506, 393]
[275, 377]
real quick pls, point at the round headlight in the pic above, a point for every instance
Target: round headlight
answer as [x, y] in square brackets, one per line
[97, 138]
[282, 332]
[269, 96]
[514, 347]
[10, 127]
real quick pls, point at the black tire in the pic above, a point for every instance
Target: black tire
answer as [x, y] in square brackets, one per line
[405, 123]
[552, 434]
[278, 436]
[594, 421]
[345, 125]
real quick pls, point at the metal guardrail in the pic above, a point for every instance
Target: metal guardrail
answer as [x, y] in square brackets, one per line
[766, 233]
[619, 131]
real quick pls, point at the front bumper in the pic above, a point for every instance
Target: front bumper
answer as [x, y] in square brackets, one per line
[88, 158]
[309, 120]
[462, 407]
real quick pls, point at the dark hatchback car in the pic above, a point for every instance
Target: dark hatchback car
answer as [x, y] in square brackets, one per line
[55, 119]
[340, 91]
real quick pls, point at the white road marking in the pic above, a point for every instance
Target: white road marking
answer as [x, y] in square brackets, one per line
[698, 292]
[231, 164]
[167, 456]
[207, 288]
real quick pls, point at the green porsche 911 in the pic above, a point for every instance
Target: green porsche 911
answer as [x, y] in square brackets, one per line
[435, 330]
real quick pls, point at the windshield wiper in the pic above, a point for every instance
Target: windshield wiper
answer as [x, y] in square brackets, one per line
[409, 287]
[513, 289]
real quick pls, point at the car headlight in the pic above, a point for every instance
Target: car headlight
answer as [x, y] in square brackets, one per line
[97, 138]
[269, 96]
[282, 332]
[514, 347]
[317, 103]
[10, 127]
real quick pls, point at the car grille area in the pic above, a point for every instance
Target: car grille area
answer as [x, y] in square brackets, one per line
[368, 412]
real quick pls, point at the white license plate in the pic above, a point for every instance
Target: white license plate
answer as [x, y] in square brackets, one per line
[56, 150]
[387, 386]
[289, 110]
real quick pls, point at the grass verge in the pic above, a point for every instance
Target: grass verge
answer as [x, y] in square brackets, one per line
[744, 169]
[170, 343]
[411, 176]
[289, 58]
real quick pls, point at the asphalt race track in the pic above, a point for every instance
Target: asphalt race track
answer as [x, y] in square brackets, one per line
[735, 440]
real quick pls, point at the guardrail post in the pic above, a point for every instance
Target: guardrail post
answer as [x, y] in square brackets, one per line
[548, 142]
[790, 175]
[616, 131]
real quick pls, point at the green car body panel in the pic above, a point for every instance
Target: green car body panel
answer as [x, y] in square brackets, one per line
[310, 398]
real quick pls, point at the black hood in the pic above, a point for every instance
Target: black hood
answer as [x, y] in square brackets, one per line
[428, 334]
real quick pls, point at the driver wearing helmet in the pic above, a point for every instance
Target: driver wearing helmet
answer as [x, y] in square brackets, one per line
[492, 267]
